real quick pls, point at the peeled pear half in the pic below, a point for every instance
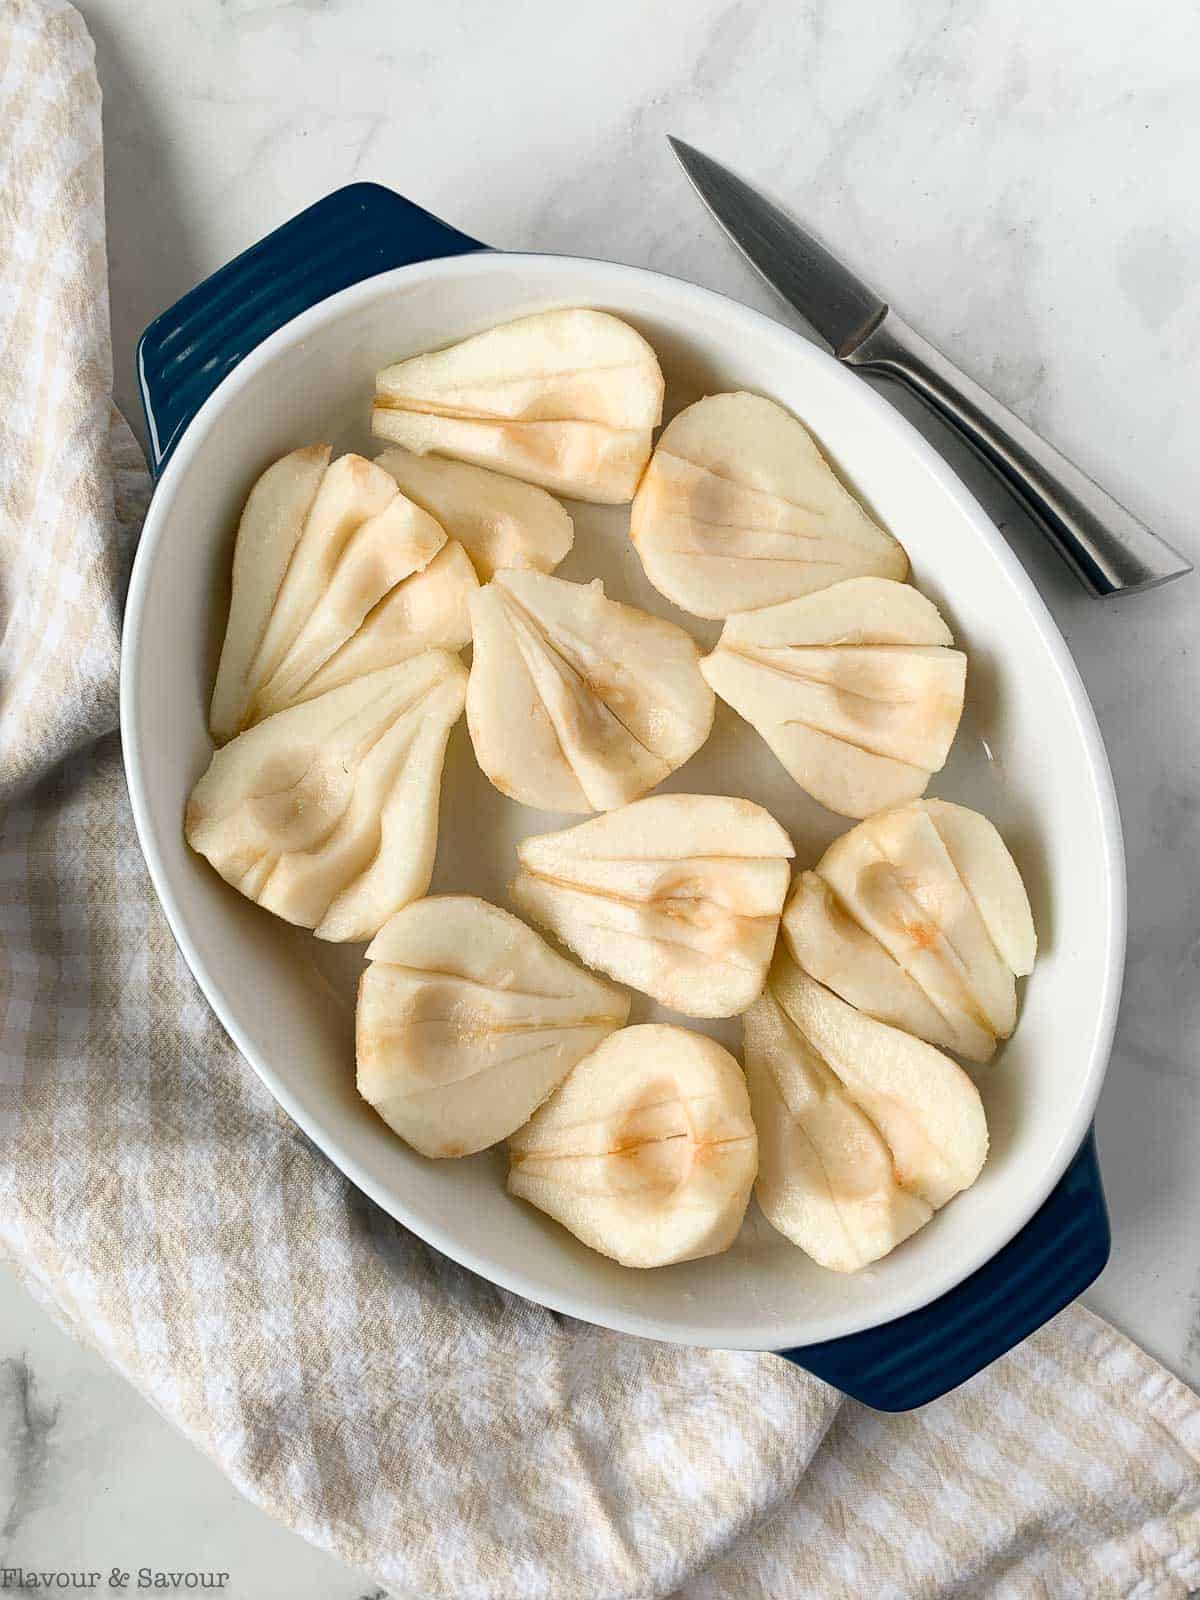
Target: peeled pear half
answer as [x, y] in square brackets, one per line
[739, 509]
[498, 521]
[467, 1020]
[335, 572]
[919, 917]
[428, 611]
[864, 1132]
[855, 689]
[327, 813]
[270, 526]
[565, 399]
[678, 896]
[579, 703]
[647, 1152]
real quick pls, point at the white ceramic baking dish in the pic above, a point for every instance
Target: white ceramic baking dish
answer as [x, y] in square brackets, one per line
[226, 395]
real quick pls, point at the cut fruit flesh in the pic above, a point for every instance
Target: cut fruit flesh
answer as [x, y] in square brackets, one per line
[565, 399]
[270, 527]
[499, 521]
[647, 1152]
[467, 1021]
[429, 611]
[576, 702]
[351, 493]
[900, 930]
[839, 952]
[853, 688]
[335, 572]
[326, 814]
[334, 594]
[738, 509]
[864, 1131]
[678, 896]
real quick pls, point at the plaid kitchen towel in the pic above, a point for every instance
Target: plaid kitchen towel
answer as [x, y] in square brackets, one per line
[446, 1437]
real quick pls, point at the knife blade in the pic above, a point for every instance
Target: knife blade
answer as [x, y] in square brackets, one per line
[1109, 550]
[841, 308]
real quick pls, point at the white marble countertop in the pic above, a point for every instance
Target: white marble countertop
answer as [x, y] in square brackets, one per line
[1020, 179]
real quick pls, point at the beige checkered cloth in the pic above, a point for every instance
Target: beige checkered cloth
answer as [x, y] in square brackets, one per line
[445, 1437]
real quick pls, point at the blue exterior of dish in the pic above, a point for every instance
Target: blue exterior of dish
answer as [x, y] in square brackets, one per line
[352, 234]
[906, 1363]
[363, 230]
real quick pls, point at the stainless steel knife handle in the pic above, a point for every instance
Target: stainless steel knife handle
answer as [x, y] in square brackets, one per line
[1110, 550]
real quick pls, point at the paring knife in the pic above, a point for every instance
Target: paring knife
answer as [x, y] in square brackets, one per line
[1108, 548]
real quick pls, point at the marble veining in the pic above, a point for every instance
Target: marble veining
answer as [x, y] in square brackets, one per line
[27, 1429]
[1017, 176]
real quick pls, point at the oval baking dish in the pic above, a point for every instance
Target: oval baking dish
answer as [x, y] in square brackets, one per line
[280, 349]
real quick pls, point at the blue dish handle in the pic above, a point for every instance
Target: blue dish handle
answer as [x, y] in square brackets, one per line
[352, 234]
[915, 1359]
[363, 230]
